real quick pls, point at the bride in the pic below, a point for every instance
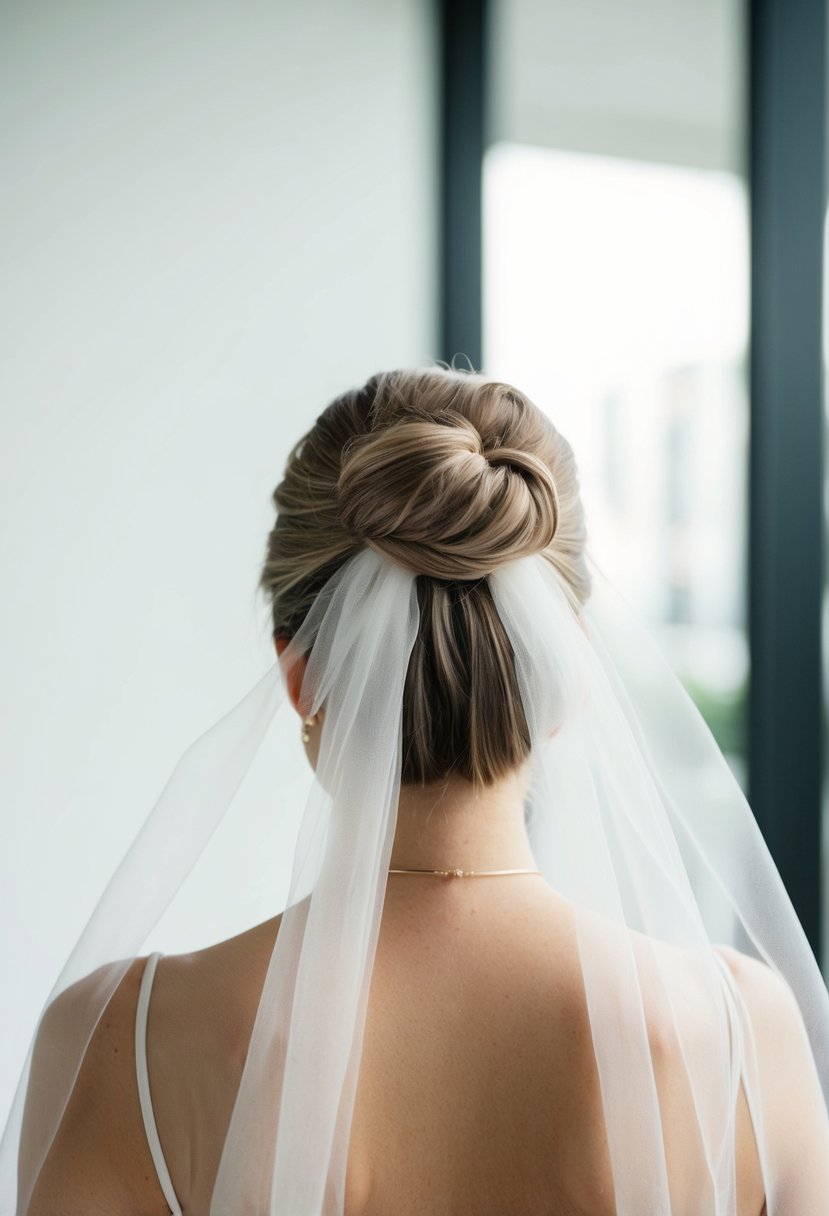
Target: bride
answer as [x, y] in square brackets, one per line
[520, 971]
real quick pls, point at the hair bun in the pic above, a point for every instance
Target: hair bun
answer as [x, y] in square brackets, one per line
[427, 493]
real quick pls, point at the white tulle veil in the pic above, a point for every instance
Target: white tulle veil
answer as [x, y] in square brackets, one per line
[633, 815]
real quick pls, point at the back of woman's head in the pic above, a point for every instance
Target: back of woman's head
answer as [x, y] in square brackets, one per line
[450, 475]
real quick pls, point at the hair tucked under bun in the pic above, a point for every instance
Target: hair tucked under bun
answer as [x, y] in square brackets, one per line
[450, 475]
[437, 496]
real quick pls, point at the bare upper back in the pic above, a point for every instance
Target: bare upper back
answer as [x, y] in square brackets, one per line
[478, 1090]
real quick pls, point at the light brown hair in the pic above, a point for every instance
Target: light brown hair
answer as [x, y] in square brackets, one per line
[449, 474]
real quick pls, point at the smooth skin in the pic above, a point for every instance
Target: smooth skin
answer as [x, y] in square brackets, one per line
[478, 1092]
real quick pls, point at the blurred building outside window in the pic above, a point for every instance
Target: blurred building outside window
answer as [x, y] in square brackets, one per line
[616, 293]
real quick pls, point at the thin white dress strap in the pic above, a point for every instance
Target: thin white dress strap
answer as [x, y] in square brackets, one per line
[742, 1032]
[150, 1128]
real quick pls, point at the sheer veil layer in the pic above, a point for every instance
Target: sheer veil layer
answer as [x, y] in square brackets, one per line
[633, 815]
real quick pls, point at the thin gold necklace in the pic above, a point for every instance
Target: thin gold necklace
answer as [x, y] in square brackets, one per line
[456, 873]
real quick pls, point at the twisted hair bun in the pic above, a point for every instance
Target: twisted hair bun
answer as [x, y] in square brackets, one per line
[449, 474]
[432, 496]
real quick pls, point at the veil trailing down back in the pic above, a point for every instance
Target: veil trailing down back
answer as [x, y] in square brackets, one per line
[633, 815]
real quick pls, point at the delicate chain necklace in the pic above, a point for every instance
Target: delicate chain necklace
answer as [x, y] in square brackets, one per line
[464, 873]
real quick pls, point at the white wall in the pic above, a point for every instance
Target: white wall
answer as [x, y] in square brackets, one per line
[215, 217]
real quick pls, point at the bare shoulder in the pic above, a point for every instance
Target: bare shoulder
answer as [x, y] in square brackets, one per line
[794, 1110]
[776, 1020]
[223, 977]
[761, 985]
[98, 1160]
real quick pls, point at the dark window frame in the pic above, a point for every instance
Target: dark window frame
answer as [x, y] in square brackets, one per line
[786, 115]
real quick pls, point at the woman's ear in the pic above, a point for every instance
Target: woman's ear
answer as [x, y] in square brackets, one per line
[296, 674]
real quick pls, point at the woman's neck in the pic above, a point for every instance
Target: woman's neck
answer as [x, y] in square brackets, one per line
[448, 824]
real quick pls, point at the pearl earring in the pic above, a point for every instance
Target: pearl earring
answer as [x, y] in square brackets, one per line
[307, 723]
